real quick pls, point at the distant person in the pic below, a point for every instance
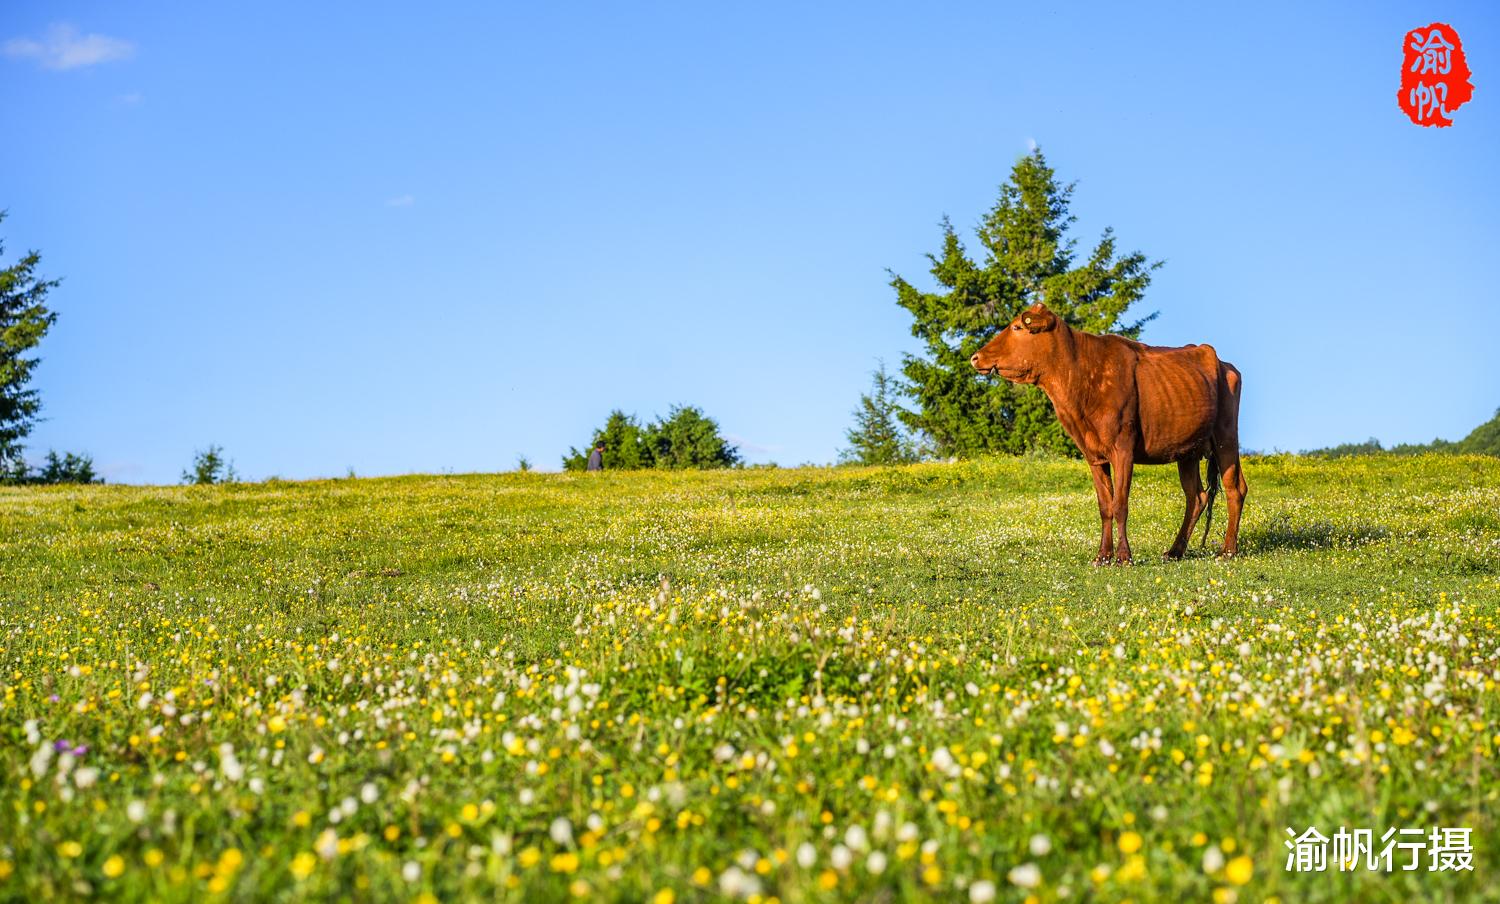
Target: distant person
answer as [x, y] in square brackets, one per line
[596, 458]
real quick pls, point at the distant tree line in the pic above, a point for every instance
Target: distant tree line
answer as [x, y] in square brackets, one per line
[685, 438]
[65, 468]
[1482, 440]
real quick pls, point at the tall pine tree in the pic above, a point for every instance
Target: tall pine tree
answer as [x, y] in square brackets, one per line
[24, 320]
[1027, 258]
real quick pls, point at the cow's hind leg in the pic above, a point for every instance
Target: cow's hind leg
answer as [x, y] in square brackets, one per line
[1227, 451]
[1102, 492]
[1195, 499]
[1123, 466]
[1235, 489]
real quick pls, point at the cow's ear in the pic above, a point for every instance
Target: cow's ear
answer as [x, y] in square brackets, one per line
[1039, 321]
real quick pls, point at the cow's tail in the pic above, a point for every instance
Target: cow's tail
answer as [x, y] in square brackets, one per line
[1213, 490]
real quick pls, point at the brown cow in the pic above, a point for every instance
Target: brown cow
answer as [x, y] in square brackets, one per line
[1124, 404]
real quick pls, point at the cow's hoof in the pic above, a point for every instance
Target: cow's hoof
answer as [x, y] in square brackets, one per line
[1103, 560]
[1125, 560]
[1171, 555]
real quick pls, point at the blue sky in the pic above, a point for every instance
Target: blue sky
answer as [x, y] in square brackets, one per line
[360, 237]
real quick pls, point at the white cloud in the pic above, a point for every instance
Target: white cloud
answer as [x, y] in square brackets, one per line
[65, 48]
[400, 201]
[749, 445]
[1031, 144]
[121, 471]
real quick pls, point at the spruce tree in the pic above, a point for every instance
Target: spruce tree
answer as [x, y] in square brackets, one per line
[877, 437]
[1027, 257]
[687, 438]
[24, 320]
[210, 467]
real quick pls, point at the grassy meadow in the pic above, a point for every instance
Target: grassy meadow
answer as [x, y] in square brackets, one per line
[810, 684]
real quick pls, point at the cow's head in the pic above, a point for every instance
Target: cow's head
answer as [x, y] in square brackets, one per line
[1020, 352]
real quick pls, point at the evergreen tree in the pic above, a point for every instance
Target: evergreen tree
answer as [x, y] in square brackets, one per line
[877, 437]
[24, 320]
[1027, 258]
[210, 466]
[688, 438]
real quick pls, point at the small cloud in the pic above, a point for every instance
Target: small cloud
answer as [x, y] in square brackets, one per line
[400, 201]
[121, 471]
[64, 48]
[750, 446]
[1031, 144]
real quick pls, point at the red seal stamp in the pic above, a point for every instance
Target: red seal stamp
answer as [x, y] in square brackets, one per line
[1434, 75]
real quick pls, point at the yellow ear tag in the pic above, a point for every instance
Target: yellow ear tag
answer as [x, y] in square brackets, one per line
[1027, 321]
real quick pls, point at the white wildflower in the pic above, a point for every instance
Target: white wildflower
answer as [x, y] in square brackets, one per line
[807, 855]
[840, 857]
[1213, 859]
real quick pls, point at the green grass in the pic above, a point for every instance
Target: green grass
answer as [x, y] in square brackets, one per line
[808, 684]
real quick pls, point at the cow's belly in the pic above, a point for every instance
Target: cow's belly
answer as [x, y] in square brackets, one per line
[1164, 449]
[1178, 404]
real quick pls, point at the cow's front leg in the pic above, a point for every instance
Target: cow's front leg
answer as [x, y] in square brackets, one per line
[1123, 465]
[1100, 471]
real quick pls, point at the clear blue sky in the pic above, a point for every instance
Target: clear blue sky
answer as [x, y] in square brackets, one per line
[399, 242]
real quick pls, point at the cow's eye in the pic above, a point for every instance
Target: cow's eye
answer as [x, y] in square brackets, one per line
[1015, 326]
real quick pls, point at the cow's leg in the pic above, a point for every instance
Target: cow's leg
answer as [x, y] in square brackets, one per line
[1195, 498]
[1123, 465]
[1235, 489]
[1102, 492]
[1227, 450]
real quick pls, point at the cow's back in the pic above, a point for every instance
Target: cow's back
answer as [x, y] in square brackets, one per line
[1178, 395]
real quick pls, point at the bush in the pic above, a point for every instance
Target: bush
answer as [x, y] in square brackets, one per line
[686, 438]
